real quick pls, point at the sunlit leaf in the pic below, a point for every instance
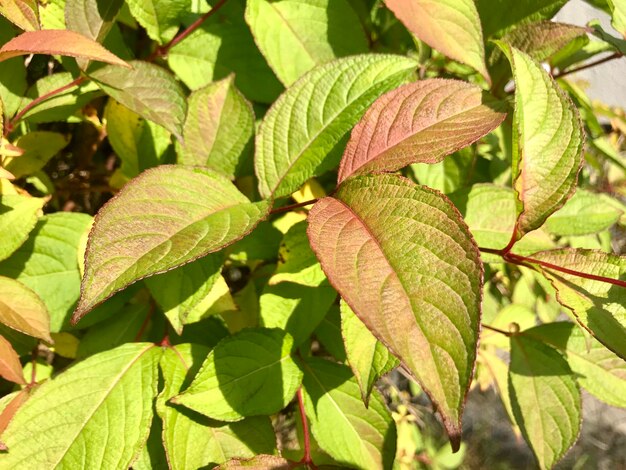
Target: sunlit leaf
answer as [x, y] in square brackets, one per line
[91, 18]
[160, 18]
[22, 310]
[39, 147]
[18, 216]
[10, 366]
[23, 13]
[618, 15]
[164, 218]
[260, 462]
[404, 261]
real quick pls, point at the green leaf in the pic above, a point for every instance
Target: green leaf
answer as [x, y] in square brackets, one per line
[160, 18]
[23, 13]
[12, 75]
[545, 397]
[498, 16]
[91, 18]
[166, 217]
[329, 334]
[618, 15]
[52, 14]
[22, 310]
[597, 369]
[547, 143]
[187, 290]
[450, 26]
[10, 366]
[368, 358]
[219, 126]
[58, 42]
[341, 424]
[247, 374]
[39, 147]
[296, 35]
[147, 89]
[47, 263]
[18, 216]
[421, 122]
[292, 147]
[221, 46]
[404, 261]
[600, 307]
[542, 39]
[98, 411]
[259, 462]
[585, 213]
[449, 175]
[192, 440]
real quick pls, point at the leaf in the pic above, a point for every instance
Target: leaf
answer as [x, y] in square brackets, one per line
[102, 403]
[39, 147]
[250, 373]
[52, 14]
[259, 462]
[547, 143]
[22, 310]
[449, 175]
[597, 369]
[313, 31]
[10, 366]
[18, 216]
[47, 263]
[545, 397]
[421, 122]
[292, 147]
[598, 306]
[58, 42]
[585, 213]
[192, 440]
[341, 424]
[166, 217]
[618, 15]
[23, 13]
[404, 261]
[368, 358]
[499, 16]
[160, 18]
[148, 90]
[219, 126]
[91, 18]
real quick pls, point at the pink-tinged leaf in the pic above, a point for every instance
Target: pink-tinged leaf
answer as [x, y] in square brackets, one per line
[542, 39]
[10, 366]
[23, 13]
[7, 414]
[421, 122]
[23, 310]
[165, 217]
[450, 26]
[260, 462]
[58, 42]
[405, 262]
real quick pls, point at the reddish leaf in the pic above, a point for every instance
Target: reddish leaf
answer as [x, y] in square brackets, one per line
[9, 411]
[10, 367]
[421, 122]
[61, 42]
[23, 13]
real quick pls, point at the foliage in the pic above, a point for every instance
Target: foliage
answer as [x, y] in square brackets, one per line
[224, 224]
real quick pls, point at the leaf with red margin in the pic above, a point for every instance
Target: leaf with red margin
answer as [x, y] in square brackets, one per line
[58, 42]
[421, 122]
[10, 366]
[403, 259]
[23, 310]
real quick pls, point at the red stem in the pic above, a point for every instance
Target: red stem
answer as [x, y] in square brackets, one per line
[564, 73]
[144, 325]
[306, 459]
[293, 206]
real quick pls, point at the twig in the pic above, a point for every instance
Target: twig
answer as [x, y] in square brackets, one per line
[498, 330]
[293, 206]
[564, 73]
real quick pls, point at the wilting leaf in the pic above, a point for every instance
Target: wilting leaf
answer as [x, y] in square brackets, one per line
[296, 35]
[545, 399]
[219, 125]
[404, 261]
[292, 147]
[10, 366]
[160, 18]
[164, 218]
[547, 143]
[451, 26]
[18, 216]
[58, 42]
[247, 374]
[104, 402]
[91, 18]
[542, 39]
[22, 310]
[421, 122]
[147, 89]
[23, 13]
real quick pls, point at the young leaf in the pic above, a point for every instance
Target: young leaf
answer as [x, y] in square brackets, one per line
[421, 122]
[23, 13]
[147, 89]
[160, 18]
[545, 398]
[296, 35]
[58, 42]
[600, 307]
[10, 366]
[192, 440]
[22, 310]
[404, 261]
[250, 373]
[498, 16]
[219, 125]
[597, 369]
[291, 147]
[47, 263]
[341, 424]
[368, 358]
[98, 411]
[91, 18]
[164, 218]
[547, 143]
[542, 39]
[451, 26]
[18, 216]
